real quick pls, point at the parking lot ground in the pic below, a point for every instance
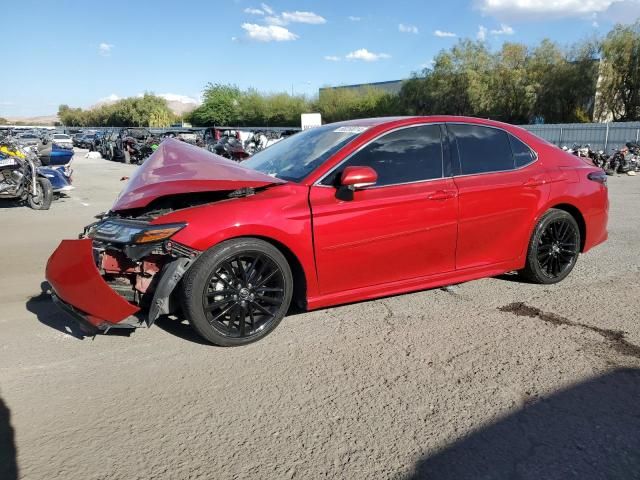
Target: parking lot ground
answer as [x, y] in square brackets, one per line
[489, 379]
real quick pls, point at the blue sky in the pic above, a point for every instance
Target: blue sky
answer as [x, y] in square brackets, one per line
[80, 52]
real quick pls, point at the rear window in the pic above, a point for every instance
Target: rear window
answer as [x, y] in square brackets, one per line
[522, 154]
[482, 149]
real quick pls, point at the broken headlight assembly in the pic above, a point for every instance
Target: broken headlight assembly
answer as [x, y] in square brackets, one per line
[132, 232]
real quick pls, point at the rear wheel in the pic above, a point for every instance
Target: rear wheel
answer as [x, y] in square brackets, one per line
[237, 292]
[553, 249]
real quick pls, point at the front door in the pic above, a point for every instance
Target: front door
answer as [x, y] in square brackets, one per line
[404, 227]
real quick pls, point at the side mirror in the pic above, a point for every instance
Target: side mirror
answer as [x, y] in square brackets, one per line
[358, 177]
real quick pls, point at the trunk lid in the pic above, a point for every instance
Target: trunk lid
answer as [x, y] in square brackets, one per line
[177, 167]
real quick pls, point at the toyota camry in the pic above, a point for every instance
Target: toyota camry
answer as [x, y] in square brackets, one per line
[340, 213]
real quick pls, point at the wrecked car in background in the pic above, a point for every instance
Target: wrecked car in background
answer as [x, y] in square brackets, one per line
[129, 145]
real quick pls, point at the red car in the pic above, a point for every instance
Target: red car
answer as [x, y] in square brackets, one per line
[340, 213]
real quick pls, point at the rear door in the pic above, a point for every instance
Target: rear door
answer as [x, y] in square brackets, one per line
[501, 189]
[403, 227]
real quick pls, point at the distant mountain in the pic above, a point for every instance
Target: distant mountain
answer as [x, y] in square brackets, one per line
[178, 104]
[39, 120]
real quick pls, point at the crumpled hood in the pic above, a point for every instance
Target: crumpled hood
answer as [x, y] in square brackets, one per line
[177, 167]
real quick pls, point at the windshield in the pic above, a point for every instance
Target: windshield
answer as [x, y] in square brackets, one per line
[297, 156]
[60, 136]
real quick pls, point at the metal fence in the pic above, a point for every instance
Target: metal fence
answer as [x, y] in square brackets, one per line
[601, 136]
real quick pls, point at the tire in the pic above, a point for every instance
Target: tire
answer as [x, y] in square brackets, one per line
[553, 249]
[45, 195]
[257, 300]
[127, 157]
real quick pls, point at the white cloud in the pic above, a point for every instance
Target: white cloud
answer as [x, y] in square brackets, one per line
[253, 11]
[176, 97]
[303, 17]
[270, 33]
[354, 19]
[332, 58]
[366, 55]
[104, 49]
[275, 20]
[625, 11]
[537, 9]
[427, 64]
[407, 28]
[440, 33]
[267, 9]
[504, 30]
[110, 99]
[482, 33]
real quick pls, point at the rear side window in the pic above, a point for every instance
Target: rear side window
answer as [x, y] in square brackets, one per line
[482, 149]
[406, 155]
[522, 154]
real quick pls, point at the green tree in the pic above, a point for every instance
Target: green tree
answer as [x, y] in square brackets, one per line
[146, 111]
[219, 107]
[512, 92]
[458, 83]
[344, 103]
[619, 84]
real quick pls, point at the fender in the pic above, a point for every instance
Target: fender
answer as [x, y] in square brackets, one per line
[280, 214]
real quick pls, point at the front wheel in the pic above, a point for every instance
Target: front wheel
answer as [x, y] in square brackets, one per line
[237, 292]
[553, 249]
[43, 197]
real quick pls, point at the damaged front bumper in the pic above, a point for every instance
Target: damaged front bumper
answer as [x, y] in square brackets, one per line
[80, 290]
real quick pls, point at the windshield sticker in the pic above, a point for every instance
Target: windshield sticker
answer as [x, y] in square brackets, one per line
[352, 129]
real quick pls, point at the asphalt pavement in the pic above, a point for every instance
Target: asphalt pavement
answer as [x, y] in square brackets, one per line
[493, 378]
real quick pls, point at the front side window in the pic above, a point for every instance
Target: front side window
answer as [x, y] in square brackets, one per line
[482, 149]
[407, 155]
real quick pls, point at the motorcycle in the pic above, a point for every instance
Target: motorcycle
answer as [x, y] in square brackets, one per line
[60, 178]
[623, 160]
[230, 147]
[599, 158]
[20, 178]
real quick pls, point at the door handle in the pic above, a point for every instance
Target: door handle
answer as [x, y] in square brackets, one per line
[442, 195]
[534, 182]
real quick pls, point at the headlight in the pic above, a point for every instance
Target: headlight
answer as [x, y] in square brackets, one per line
[122, 231]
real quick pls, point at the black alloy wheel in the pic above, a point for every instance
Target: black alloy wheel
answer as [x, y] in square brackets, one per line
[557, 248]
[237, 292]
[244, 294]
[553, 249]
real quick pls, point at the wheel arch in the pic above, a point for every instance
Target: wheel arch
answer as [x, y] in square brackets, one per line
[297, 271]
[300, 281]
[578, 217]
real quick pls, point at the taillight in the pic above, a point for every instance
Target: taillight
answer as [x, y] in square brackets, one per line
[599, 177]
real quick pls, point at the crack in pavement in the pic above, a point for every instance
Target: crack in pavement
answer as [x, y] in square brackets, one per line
[616, 338]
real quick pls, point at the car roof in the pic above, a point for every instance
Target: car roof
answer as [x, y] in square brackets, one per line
[376, 121]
